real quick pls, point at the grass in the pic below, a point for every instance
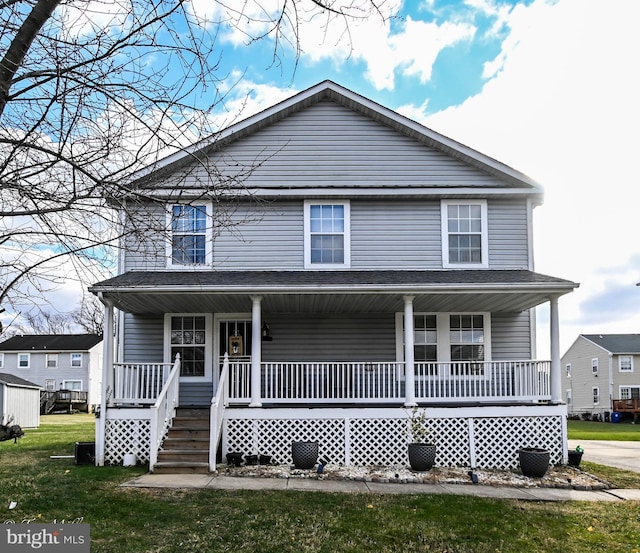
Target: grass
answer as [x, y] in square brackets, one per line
[167, 521]
[588, 430]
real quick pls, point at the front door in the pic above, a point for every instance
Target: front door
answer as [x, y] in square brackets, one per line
[234, 339]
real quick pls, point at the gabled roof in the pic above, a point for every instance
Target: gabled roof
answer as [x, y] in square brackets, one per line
[328, 90]
[12, 380]
[616, 343]
[51, 342]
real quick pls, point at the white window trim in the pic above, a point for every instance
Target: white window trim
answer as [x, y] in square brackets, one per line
[594, 366]
[1, 360]
[569, 396]
[28, 360]
[444, 335]
[71, 361]
[66, 387]
[208, 238]
[484, 239]
[620, 364]
[51, 356]
[208, 344]
[567, 368]
[595, 394]
[627, 387]
[307, 235]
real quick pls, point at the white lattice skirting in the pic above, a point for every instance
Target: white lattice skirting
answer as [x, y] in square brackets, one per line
[474, 437]
[127, 436]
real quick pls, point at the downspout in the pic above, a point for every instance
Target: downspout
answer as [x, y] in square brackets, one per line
[107, 368]
[611, 382]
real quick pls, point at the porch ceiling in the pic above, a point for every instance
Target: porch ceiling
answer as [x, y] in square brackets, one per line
[329, 291]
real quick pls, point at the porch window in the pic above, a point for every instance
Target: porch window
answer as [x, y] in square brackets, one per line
[24, 360]
[52, 360]
[189, 235]
[466, 336]
[625, 364]
[425, 329]
[464, 234]
[188, 338]
[327, 235]
[76, 360]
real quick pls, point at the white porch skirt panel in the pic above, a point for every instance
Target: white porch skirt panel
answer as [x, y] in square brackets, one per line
[126, 434]
[480, 437]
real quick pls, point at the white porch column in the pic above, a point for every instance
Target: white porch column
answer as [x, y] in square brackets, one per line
[556, 369]
[256, 350]
[409, 366]
[107, 379]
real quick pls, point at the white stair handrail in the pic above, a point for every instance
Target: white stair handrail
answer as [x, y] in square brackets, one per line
[218, 405]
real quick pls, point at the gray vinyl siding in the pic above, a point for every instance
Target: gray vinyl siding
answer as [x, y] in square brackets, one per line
[331, 337]
[144, 339]
[328, 144]
[510, 336]
[583, 380]
[385, 234]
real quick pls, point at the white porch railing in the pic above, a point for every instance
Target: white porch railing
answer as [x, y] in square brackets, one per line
[216, 414]
[163, 411]
[382, 382]
[139, 383]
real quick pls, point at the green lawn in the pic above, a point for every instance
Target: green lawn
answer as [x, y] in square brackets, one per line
[125, 520]
[588, 430]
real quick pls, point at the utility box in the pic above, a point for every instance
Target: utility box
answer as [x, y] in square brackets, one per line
[85, 453]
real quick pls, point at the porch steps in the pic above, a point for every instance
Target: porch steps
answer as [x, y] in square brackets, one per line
[186, 448]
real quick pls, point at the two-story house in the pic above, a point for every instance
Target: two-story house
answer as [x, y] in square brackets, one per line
[600, 377]
[372, 264]
[58, 363]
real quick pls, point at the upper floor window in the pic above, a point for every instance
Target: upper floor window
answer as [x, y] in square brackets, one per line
[625, 363]
[464, 234]
[594, 365]
[1, 360]
[52, 360]
[567, 368]
[24, 360]
[189, 235]
[76, 360]
[327, 235]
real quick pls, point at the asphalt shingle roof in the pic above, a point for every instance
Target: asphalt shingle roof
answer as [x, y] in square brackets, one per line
[6, 378]
[51, 342]
[616, 343]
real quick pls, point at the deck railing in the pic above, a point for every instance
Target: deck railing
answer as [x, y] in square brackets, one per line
[383, 382]
[139, 383]
[218, 405]
[163, 411]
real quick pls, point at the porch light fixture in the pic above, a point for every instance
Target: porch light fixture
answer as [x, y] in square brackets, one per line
[266, 336]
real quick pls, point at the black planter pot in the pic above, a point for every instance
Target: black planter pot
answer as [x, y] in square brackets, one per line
[264, 459]
[235, 458]
[534, 461]
[422, 456]
[251, 459]
[305, 454]
[574, 458]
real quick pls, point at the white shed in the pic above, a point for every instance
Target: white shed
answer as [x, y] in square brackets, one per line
[19, 401]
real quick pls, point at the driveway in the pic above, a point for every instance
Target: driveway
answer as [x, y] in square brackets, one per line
[623, 455]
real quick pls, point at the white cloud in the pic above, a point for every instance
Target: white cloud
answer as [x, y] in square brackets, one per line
[562, 106]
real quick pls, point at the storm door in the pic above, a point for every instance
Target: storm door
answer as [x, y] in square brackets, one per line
[235, 340]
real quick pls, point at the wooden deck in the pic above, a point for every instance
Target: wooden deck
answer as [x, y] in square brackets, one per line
[63, 401]
[627, 406]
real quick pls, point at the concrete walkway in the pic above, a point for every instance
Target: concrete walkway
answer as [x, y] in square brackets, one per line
[623, 455]
[342, 486]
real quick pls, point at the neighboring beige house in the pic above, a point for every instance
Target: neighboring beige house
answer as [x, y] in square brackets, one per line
[599, 369]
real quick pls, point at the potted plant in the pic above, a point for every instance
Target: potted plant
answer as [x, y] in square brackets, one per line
[422, 452]
[534, 461]
[575, 456]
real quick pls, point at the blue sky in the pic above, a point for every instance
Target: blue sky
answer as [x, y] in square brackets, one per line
[549, 87]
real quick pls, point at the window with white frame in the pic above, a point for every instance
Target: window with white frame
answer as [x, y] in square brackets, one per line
[467, 343]
[629, 392]
[327, 234]
[594, 365]
[1, 360]
[596, 395]
[24, 360]
[189, 235]
[188, 337]
[625, 363]
[567, 368]
[73, 385]
[569, 397]
[464, 234]
[76, 360]
[425, 331]
[52, 360]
